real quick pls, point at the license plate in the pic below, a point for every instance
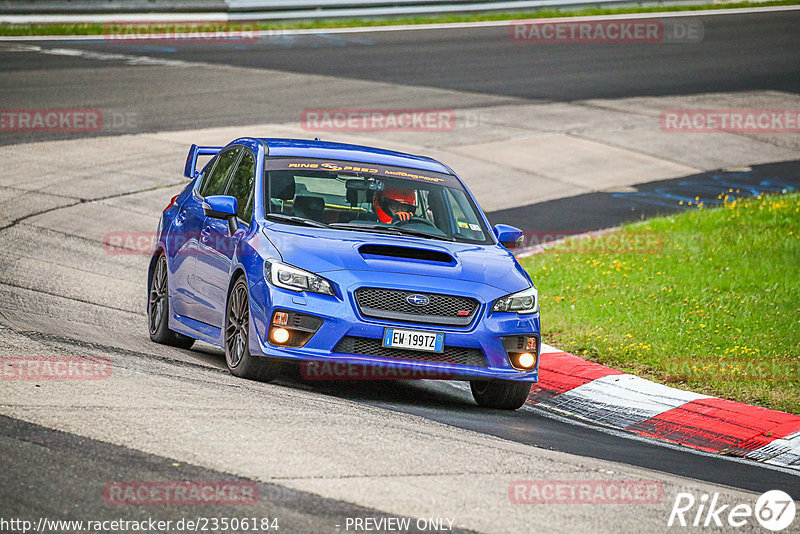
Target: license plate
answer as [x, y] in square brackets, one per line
[413, 339]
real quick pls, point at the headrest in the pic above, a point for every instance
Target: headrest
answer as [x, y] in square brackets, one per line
[359, 196]
[309, 203]
[282, 184]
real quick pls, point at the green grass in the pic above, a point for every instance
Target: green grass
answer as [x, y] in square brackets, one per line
[714, 290]
[99, 29]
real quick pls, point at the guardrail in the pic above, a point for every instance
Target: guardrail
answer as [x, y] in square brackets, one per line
[26, 11]
[63, 7]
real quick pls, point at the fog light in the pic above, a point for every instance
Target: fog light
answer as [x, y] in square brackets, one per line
[280, 335]
[526, 360]
[280, 318]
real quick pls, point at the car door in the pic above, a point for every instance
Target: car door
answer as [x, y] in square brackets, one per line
[189, 225]
[217, 248]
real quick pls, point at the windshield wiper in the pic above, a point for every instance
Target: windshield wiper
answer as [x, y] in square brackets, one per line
[394, 230]
[420, 233]
[293, 219]
[367, 227]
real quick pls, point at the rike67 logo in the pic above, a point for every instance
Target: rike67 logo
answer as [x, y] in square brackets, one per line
[774, 510]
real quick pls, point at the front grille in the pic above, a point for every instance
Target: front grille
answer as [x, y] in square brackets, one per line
[392, 304]
[365, 346]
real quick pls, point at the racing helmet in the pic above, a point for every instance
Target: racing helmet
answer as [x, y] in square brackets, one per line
[397, 194]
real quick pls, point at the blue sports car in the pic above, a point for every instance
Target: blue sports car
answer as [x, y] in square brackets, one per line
[324, 253]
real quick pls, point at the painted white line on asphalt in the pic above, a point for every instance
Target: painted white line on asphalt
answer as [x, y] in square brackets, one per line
[621, 400]
[127, 58]
[370, 29]
[19, 48]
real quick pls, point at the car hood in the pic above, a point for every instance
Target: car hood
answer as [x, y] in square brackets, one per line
[323, 250]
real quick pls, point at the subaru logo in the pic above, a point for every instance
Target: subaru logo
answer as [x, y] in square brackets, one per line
[418, 300]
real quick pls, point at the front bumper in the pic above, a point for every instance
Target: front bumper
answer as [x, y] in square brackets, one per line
[341, 318]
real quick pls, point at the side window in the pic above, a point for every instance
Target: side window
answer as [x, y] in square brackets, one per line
[241, 186]
[214, 183]
[467, 223]
[206, 169]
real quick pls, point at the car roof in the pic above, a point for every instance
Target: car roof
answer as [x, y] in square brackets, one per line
[305, 148]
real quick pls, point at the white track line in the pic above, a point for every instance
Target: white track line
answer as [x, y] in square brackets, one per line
[391, 28]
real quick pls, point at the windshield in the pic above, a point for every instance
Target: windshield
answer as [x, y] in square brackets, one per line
[369, 197]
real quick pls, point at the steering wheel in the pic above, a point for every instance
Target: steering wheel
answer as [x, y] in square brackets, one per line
[413, 220]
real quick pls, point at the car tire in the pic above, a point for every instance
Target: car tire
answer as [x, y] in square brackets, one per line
[158, 309]
[500, 394]
[237, 338]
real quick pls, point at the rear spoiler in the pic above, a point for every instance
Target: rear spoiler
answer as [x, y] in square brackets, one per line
[189, 170]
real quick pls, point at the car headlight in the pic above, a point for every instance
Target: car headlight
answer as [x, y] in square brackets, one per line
[294, 279]
[526, 301]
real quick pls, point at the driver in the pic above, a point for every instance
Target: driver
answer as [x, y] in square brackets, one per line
[395, 204]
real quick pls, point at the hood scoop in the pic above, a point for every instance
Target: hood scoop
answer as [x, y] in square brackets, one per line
[405, 253]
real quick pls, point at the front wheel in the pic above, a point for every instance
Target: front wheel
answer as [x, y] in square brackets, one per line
[237, 339]
[500, 394]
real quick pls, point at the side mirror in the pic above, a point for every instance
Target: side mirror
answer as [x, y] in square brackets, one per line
[222, 207]
[509, 236]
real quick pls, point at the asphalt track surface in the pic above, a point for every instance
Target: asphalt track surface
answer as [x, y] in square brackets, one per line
[759, 51]
[36, 458]
[730, 59]
[600, 210]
